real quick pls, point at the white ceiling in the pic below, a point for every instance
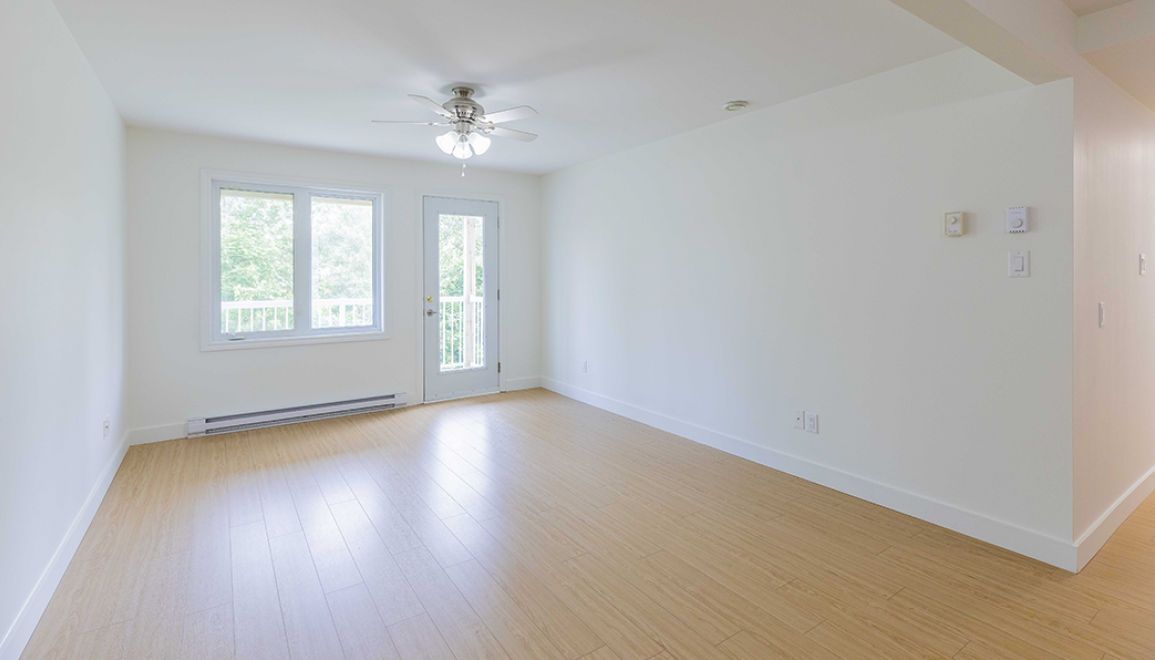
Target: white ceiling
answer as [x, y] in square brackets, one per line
[1129, 65]
[1120, 42]
[1084, 7]
[606, 75]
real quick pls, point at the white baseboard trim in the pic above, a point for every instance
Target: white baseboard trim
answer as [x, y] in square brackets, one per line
[17, 636]
[160, 433]
[1092, 540]
[1048, 549]
[516, 384]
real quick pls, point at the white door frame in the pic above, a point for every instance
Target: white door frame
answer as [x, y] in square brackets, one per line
[493, 305]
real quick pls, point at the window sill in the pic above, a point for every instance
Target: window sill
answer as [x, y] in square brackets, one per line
[278, 342]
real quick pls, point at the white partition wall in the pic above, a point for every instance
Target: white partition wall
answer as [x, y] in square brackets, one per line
[794, 259]
[61, 284]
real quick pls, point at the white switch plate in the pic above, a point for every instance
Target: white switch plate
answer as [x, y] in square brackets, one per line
[1019, 263]
[107, 427]
[1017, 220]
[811, 422]
[954, 224]
[585, 366]
[1142, 264]
[1102, 314]
[800, 419]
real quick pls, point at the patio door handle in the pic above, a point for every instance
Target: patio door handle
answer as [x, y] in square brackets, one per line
[429, 312]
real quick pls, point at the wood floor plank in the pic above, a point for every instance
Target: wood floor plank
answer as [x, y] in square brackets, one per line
[394, 598]
[604, 653]
[117, 587]
[419, 639]
[331, 555]
[309, 627]
[568, 632]
[362, 632]
[210, 582]
[57, 634]
[518, 635]
[422, 520]
[208, 634]
[712, 599]
[244, 496]
[158, 629]
[273, 488]
[662, 626]
[462, 629]
[170, 513]
[527, 525]
[748, 646]
[325, 470]
[390, 524]
[618, 556]
[258, 624]
[106, 642]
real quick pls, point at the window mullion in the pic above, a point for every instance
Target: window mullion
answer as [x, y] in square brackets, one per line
[215, 262]
[302, 259]
[378, 265]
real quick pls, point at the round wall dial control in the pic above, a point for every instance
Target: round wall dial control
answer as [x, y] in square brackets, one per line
[954, 224]
[1017, 220]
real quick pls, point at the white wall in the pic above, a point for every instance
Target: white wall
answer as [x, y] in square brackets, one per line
[793, 258]
[61, 282]
[172, 380]
[1114, 366]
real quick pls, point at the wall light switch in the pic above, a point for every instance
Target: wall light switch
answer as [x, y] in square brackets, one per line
[1142, 264]
[585, 366]
[1017, 221]
[811, 422]
[800, 419]
[1102, 314]
[954, 224]
[1019, 263]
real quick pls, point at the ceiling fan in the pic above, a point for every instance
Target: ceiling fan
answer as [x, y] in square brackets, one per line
[471, 126]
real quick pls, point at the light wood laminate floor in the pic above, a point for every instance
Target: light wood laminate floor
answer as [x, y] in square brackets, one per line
[527, 526]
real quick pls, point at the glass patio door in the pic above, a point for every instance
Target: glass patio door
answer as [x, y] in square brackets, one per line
[460, 303]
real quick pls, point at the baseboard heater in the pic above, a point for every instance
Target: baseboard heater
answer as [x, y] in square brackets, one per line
[256, 420]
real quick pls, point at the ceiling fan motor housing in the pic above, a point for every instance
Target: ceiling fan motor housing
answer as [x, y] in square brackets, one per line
[463, 106]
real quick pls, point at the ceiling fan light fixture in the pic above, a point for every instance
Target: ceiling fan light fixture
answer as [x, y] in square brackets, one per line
[479, 142]
[447, 141]
[462, 150]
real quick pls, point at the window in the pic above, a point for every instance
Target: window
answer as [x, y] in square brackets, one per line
[291, 263]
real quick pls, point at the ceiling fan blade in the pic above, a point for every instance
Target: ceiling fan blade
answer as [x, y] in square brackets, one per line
[422, 123]
[498, 131]
[430, 104]
[510, 114]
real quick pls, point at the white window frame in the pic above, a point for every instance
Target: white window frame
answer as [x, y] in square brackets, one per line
[212, 339]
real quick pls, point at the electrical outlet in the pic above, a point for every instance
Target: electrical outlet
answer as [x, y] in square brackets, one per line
[585, 366]
[812, 422]
[800, 419]
[107, 427]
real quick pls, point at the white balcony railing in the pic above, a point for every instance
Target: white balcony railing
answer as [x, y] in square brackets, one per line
[262, 315]
[462, 333]
[462, 330]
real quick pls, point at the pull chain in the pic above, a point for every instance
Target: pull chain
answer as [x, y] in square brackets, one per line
[462, 168]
